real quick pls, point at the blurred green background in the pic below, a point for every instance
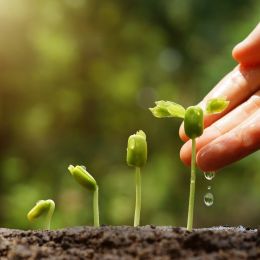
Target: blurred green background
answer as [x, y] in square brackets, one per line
[76, 79]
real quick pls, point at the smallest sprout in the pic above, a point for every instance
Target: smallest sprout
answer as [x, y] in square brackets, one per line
[42, 207]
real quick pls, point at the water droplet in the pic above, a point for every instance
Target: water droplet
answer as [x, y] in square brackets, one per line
[84, 167]
[209, 187]
[208, 199]
[209, 175]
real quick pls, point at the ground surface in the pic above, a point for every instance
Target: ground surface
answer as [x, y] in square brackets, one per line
[147, 242]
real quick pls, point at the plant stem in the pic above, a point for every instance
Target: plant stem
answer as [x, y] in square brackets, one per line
[49, 215]
[96, 208]
[138, 196]
[192, 185]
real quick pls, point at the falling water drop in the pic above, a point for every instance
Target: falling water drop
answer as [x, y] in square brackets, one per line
[209, 175]
[208, 199]
[209, 187]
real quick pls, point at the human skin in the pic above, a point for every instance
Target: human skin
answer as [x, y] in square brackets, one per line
[235, 133]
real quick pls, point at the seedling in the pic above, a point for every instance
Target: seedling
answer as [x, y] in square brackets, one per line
[42, 207]
[137, 157]
[193, 125]
[87, 181]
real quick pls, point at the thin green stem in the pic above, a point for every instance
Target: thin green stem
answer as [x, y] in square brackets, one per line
[138, 196]
[49, 215]
[96, 208]
[192, 185]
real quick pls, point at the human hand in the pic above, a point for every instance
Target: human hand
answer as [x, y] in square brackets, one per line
[235, 133]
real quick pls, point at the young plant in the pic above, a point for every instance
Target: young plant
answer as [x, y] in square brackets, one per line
[42, 207]
[137, 157]
[87, 181]
[193, 125]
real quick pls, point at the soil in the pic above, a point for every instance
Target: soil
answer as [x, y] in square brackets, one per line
[148, 242]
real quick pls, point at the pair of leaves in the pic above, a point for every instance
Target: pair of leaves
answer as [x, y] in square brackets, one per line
[171, 109]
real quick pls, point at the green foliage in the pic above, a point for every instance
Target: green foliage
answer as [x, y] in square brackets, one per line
[167, 109]
[216, 105]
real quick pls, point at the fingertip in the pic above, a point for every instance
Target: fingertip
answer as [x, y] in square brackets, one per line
[185, 154]
[205, 160]
[241, 53]
[247, 51]
[236, 52]
[209, 135]
[219, 153]
[182, 134]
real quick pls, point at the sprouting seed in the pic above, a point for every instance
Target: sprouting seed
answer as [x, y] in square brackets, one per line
[137, 157]
[81, 175]
[42, 207]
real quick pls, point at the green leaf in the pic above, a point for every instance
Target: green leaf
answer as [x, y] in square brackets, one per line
[167, 109]
[216, 105]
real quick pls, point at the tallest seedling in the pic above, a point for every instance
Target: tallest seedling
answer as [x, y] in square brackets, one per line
[193, 125]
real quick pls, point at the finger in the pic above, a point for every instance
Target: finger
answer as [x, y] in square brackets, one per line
[237, 86]
[222, 126]
[247, 52]
[232, 146]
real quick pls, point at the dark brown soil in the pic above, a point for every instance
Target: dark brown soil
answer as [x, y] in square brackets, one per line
[147, 242]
